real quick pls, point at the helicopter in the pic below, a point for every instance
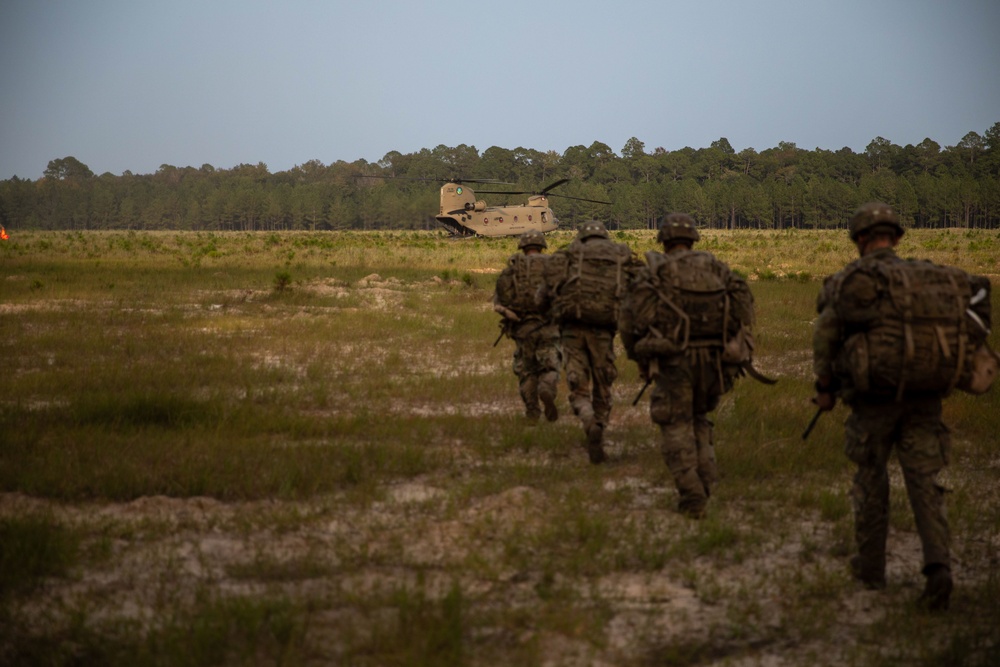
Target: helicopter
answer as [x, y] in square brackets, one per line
[464, 215]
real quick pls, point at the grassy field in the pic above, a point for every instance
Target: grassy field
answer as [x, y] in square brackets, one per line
[304, 449]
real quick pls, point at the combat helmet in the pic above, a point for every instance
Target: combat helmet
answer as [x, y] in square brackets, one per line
[592, 228]
[871, 215]
[678, 226]
[531, 238]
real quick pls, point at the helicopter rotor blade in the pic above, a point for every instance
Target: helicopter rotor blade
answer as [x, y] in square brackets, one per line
[554, 185]
[544, 191]
[593, 201]
[550, 194]
[492, 181]
[506, 192]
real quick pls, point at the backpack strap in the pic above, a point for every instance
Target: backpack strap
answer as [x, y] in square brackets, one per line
[619, 264]
[906, 306]
[517, 287]
[962, 334]
[682, 333]
[725, 319]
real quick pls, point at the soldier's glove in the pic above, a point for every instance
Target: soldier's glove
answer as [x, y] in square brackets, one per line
[824, 401]
[506, 312]
[644, 372]
[826, 396]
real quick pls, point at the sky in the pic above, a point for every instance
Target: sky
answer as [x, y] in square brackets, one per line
[130, 85]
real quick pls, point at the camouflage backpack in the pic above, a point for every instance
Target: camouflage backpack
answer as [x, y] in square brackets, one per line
[518, 282]
[930, 335]
[590, 279]
[686, 299]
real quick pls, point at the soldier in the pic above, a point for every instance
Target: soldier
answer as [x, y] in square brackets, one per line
[686, 323]
[537, 356]
[893, 373]
[584, 283]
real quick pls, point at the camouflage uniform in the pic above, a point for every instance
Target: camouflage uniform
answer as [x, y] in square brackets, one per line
[878, 424]
[686, 389]
[589, 365]
[537, 353]
[588, 350]
[882, 421]
[537, 358]
[687, 382]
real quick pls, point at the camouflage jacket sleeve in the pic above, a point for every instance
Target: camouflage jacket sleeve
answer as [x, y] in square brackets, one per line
[496, 289]
[741, 298]
[626, 314]
[847, 304]
[505, 274]
[503, 304]
[635, 271]
[826, 335]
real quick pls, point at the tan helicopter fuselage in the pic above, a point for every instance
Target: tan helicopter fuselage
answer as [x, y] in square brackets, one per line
[463, 215]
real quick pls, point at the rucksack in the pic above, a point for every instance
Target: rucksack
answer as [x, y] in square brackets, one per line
[686, 298]
[591, 279]
[930, 335]
[518, 282]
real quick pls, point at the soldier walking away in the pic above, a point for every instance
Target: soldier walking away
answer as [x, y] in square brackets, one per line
[537, 357]
[686, 322]
[584, 283]
[893, 337]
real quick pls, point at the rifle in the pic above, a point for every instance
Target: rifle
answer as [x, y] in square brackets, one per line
[756, 374]
[812, 423]
[506, 325]
[643, 390]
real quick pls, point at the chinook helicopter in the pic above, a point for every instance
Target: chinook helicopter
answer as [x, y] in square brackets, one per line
[464, 215]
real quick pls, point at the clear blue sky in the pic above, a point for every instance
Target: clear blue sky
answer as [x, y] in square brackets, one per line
[133, 84]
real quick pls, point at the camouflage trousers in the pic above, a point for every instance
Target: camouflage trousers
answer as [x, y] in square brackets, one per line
[687, 388]
[914, 429]
[537, 359]
[589, 363]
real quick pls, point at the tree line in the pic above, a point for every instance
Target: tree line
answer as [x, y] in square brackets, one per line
[780, 187]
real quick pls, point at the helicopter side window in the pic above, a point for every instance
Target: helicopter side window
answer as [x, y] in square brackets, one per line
[543, 217]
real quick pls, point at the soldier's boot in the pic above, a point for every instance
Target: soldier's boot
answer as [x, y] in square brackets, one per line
[692, 505]
[595, 443]
[937, 590]
[871, 576]
[551, 411]
[691, 491]
[529, 395]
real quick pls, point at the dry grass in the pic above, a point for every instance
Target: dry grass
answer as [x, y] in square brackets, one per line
[213, 466]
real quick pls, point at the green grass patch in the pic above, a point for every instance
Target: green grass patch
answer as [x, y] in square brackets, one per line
[334, 430]
[33, 547]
